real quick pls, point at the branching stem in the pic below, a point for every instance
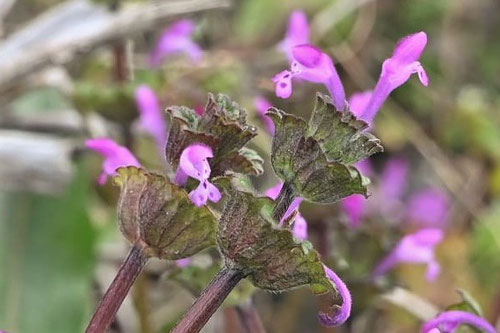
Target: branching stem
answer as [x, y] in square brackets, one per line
[209, 301]
[119, 288]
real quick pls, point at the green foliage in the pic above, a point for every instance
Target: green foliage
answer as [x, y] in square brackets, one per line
[341, 135]
[486, 242]
[159, 216]
[269, 255]
[299, 161]
[222, 127]
[47, 259]
[113, 101]
[468, 303]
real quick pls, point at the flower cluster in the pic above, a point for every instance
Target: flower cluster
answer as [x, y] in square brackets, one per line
[312, 64]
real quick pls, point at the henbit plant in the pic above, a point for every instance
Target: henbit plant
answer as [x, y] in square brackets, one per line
[260, 238]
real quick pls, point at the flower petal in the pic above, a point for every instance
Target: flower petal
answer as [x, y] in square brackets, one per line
[359, 101]
[396, 70]
[176, 39]
[194, 163]
[115, 156]
[343, 312]
[297, 33]
[283, 82]
[410, 48]
[151, 116]
[455, 319]
[300, 227]
[262, 105]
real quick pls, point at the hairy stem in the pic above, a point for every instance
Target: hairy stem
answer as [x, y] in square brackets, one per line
[114, 296]
[250, 318]
[209, 301]
[283, 201]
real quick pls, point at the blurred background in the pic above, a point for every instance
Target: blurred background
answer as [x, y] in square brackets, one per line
[68, 72]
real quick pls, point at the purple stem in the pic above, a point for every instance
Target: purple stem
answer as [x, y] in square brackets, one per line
[250, 318]
[119, 288]
[209, 301]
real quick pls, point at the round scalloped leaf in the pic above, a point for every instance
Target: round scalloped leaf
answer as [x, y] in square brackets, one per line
[159, 216]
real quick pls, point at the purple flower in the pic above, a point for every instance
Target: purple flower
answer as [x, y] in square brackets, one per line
[182, 263]
[355, 205]
[414, 248]
[115, 156]
[300, 224]
[343, 312]
[296, 34]
[311, 64]
[387, 198]
[394, 180]
[355, 208]
[176, 39]
[151, 117]
[449, 321]
[262, 105]
[429, 207]
[359, 101]
[194, 163]
[300, 227]
[397, 70]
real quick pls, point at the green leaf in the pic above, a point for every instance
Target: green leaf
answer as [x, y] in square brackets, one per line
[341, 135]
[160, 216]
[47, 259]
[222, 127]
[272, 257]
[469, 303]
[245, 161]
[115, 102]
[299, 161]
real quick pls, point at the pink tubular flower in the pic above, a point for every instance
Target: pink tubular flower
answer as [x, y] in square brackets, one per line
[359, 101]
[311, 64]
[300, 224]
[115, 156]
[342, 313]
[415, 248]
[262, 105]
[355, 205]
[176, 39]
[397, 70]
[429, 207]
[296, 34]
[449, 321]
[300, 227]
[151, 116]
[394, 179]
[194, 163]
[355, 209]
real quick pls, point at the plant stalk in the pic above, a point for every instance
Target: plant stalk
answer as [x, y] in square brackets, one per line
[209, 301]
[119, 288]
[250, 318]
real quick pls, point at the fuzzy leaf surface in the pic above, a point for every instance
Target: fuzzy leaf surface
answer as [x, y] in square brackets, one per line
[300, 162]
[159, 215]
[341, 135]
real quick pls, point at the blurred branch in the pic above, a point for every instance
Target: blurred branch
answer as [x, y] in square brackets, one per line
[250, 318]
[330, 16]
[5, 7]
[411, 302]
[110, 27]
